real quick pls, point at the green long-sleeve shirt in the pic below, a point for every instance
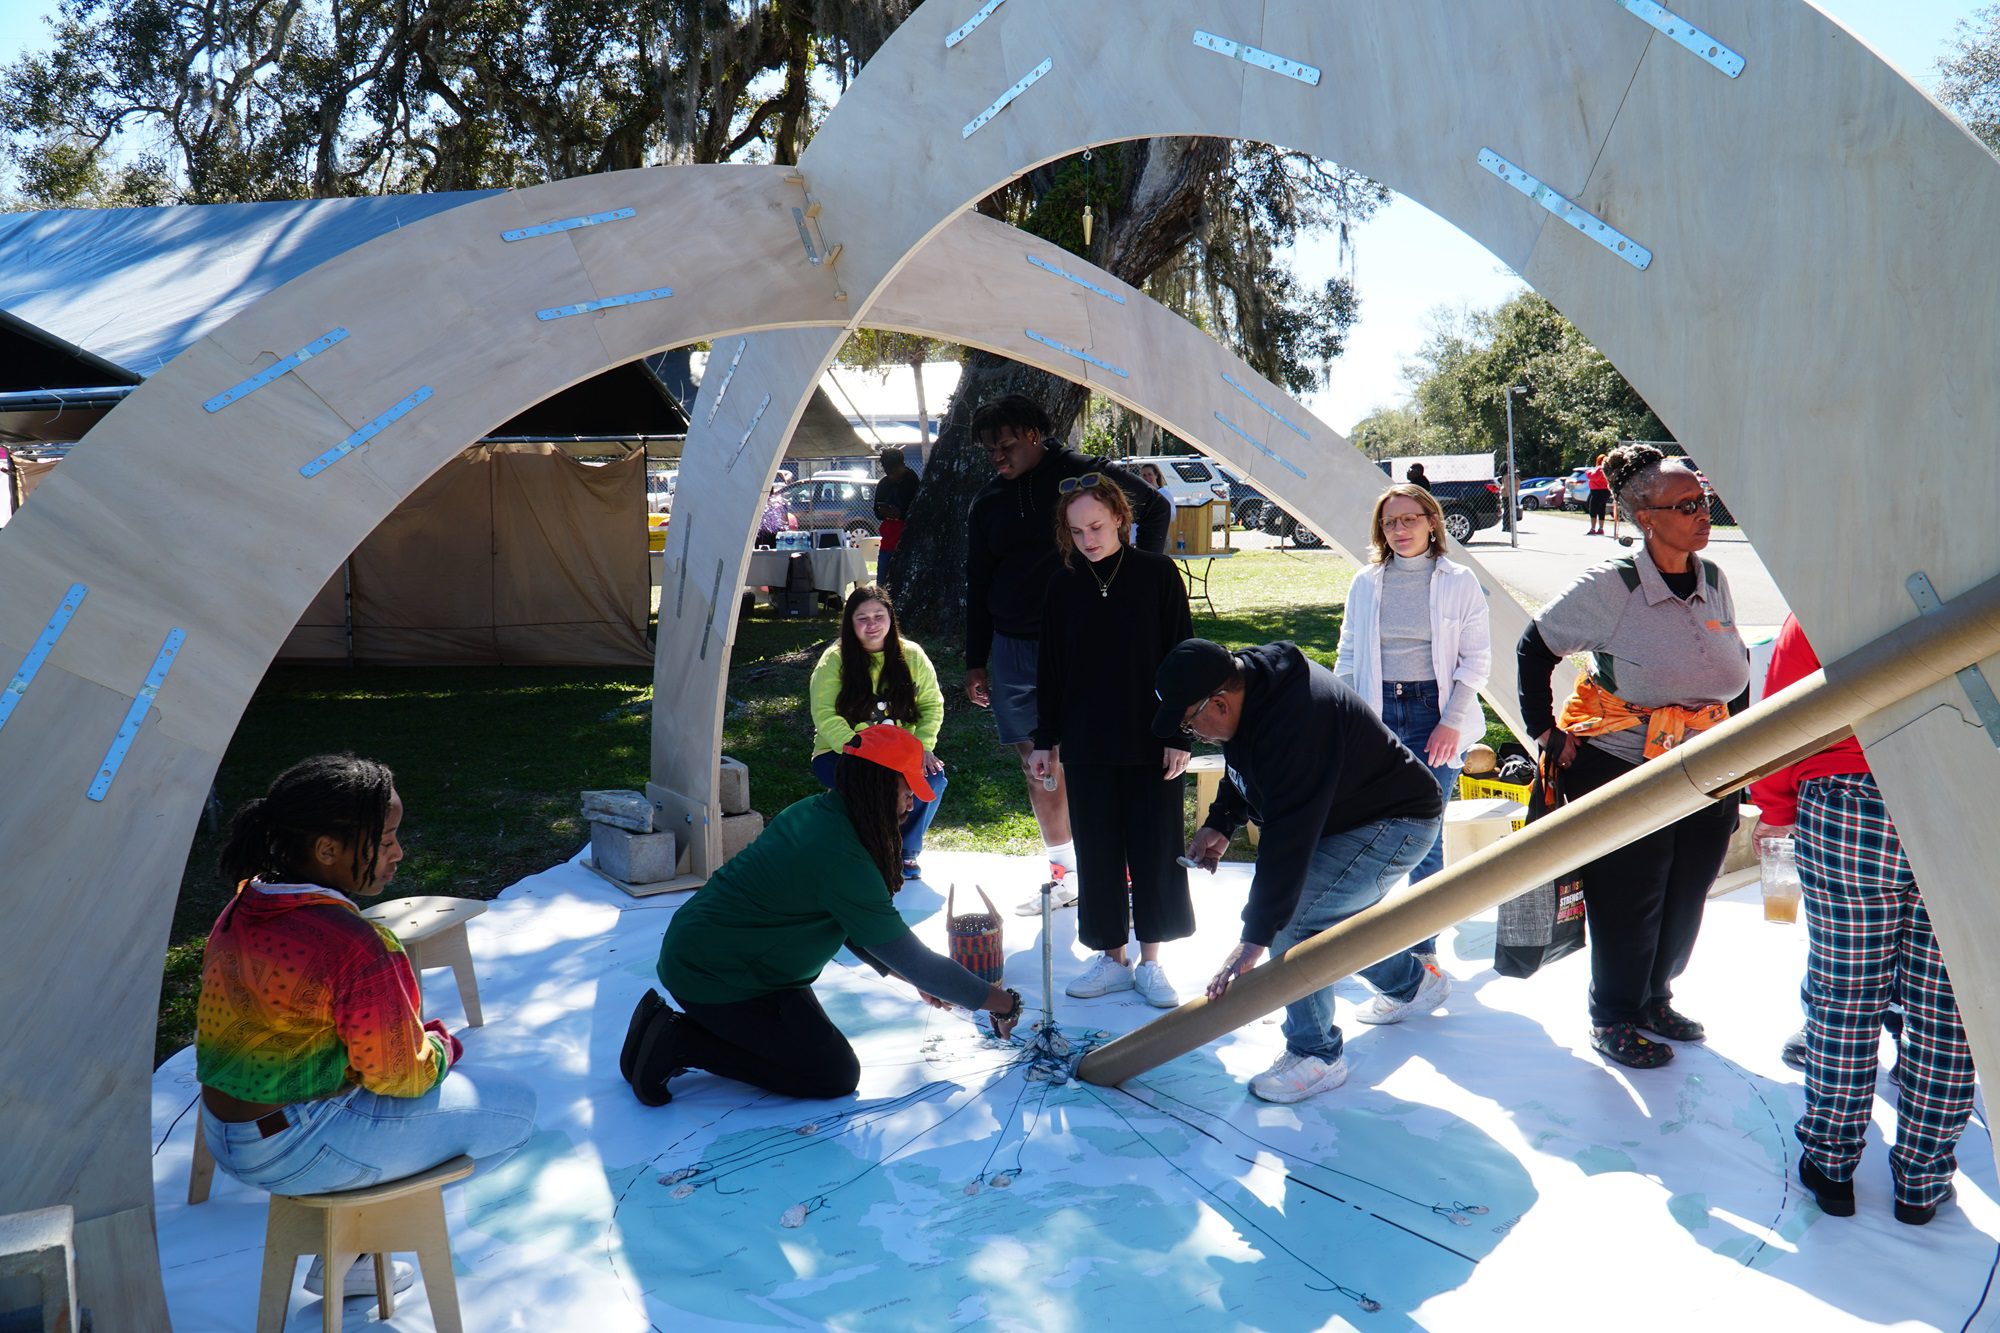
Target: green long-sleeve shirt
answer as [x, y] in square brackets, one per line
[832, 731]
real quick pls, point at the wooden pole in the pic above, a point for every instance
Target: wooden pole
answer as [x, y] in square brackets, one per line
[1802, 718]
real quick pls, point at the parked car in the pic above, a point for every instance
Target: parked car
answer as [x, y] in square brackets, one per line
[1468, 505]
[847, 503]
[1190, 480]
[1544, 493]
[660, 490]
[1285, 527]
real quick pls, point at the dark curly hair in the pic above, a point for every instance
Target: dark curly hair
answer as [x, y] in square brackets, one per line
[1014, 412]
[858, 695]
[336, 796]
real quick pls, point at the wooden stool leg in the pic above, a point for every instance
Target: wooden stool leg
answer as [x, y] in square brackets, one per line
[434, 1258]
[201, 1172]
[455, 949]
[385, 1284]
[287, 1234]
[333, 1301]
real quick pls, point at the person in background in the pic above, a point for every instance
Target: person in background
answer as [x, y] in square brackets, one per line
[1010, 556]
[871, 674]
[1112, 613]
[1415, 475]
[1346, 811]
[318, 1072]
[1666, 661]
[742, 954]
[1867, 934]
[1599, 496]
[1416, 645]
[1150, 474]
[894, 494]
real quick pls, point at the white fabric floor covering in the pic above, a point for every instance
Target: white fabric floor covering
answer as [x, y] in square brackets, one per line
[1482, 1168]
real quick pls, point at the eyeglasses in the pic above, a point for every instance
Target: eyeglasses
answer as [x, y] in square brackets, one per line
[1087, 481]
[1691, 506]
[1397, 522]
[1187, 727]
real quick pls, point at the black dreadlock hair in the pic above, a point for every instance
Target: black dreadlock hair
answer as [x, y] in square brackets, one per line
[337, 796]
[874, 807]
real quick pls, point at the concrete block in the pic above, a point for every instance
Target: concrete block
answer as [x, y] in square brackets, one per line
[636, 858]
[40, 1247]
[738, 831]
[625, 809]
[732, 787]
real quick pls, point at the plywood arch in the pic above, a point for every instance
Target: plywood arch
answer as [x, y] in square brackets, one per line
[1822, 307]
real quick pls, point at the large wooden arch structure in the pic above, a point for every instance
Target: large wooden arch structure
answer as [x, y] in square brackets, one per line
[1816, 315]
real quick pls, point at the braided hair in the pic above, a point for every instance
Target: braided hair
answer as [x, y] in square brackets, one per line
[858, 694]
[336, 796]
[875, 807]
[1633, 470]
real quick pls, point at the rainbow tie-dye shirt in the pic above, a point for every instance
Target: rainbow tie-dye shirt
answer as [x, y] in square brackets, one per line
[302, 996]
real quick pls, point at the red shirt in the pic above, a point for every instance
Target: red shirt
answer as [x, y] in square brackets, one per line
[1598, 481]
[1777, 797]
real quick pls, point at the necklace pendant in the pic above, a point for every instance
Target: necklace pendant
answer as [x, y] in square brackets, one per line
[1103, 590]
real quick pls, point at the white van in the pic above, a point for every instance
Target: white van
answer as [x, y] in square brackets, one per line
[1191, 480]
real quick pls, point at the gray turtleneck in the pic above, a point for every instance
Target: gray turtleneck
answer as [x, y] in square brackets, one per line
[1405, 618]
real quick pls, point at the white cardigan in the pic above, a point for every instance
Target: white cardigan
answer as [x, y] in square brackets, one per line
[1461, 643]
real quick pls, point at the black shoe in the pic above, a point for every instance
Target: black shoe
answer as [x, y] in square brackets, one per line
[1892, 1022]
[628, 1056]
[1920, 1217]
[1622, 1042]
[658, 1058]
[1793, 1053]
[1670, 1023]
[1835, 1197]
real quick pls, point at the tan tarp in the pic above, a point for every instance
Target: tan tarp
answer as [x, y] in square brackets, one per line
[510, 555]
[30, 472]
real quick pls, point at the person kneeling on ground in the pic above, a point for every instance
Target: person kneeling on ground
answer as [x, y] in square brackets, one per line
[1346, 811]
[741, 955]
[318, 1073]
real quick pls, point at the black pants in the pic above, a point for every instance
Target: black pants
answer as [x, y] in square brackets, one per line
[1599, 501]
[1126, 817]
[782, 1041]
[1644, 901]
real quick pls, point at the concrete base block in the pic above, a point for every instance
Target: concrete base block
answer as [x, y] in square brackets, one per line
[636, 858]
[732, 787]
[738, 831]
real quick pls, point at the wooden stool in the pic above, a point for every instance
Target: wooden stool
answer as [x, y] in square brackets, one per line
[433, 934]
[1208, 770]
[201, 1171]
[406, 1214]
[41, 1244]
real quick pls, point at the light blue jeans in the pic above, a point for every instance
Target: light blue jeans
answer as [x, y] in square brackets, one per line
[1351, 871]
[1412, 711]
[358, 1138]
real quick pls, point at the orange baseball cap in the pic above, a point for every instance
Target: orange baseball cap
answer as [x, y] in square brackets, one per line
[895, 749]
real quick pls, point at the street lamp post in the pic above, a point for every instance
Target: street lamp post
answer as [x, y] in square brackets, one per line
[1512, 497]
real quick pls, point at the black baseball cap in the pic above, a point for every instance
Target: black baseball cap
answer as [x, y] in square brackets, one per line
[1191, 671]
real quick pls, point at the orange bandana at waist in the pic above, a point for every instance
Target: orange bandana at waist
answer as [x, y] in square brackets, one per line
[1592, 710]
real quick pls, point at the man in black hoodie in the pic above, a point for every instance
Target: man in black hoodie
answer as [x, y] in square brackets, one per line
[1010, 556]
[1345, 810]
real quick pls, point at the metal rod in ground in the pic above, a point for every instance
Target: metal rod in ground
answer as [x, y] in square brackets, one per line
[1048, 955]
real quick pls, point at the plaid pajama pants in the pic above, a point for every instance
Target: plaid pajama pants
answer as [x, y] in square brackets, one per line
[1866, 927]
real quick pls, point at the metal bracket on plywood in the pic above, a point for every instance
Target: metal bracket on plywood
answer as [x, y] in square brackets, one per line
[1971, 679]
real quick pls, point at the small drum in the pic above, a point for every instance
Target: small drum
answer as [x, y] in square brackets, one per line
[974, 939]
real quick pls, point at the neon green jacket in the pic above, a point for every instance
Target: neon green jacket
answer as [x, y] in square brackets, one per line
[831, 730]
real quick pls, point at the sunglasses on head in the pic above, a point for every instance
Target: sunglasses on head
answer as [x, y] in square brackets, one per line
[1088, 481]
[1691, 506]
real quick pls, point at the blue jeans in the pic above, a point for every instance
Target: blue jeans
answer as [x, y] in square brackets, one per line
[1413, 714]
[358, 1138]
[1351, 871]
[916, 823]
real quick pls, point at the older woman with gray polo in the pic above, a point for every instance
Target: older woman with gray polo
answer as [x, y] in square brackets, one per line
[1664, 662]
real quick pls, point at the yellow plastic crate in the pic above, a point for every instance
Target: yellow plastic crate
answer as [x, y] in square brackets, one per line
[1480, 789]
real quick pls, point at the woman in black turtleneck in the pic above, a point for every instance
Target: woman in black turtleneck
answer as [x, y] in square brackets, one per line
[1112, 613]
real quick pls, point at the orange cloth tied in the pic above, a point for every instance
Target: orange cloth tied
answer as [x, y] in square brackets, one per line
[1592, 710]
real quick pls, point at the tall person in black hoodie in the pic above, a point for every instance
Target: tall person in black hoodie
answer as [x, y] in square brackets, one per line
[1346, 811]
[1010, 556]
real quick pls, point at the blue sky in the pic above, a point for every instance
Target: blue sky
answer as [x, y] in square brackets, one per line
[1407, 261]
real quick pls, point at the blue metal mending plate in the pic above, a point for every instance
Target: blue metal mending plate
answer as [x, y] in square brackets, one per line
[129, 730]
[1262, 59]
[748, 431]
[282, 366]
[1693, 38]
[1028, 81]
[964, 30]
[1269, 410]
[1080, 355]
[568, 224]
[1084, 283]
[1970, 679]
[1606, 235]
[365, 434]
[805, 237]
[604, 303]
[722, 389]
[44, 644]
[1263, 448]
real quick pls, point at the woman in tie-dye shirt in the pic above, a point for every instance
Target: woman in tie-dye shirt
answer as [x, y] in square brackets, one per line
[318, 1072]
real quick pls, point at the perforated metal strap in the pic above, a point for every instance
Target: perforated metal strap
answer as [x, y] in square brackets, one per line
[282, 366]
[1263, 448]
[38, 653]
[1596, 228]
[365, 434]
[1026, 82]
[568, 224]
[1694, 39]
[1078, 353]
[128, 731]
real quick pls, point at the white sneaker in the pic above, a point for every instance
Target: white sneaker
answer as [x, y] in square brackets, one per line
[1436, 986]
[1105, 975]
[360, 1278]
[1150, 980]
[1064, 895]
[1296, 1077]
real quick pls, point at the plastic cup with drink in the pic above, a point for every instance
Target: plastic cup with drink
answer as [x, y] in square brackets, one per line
[1778, 876]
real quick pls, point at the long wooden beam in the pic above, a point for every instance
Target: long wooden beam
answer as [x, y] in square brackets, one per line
[1796, 721]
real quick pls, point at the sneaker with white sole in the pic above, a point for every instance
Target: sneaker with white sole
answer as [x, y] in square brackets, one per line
[1150, 980]
[1296, 1077]
[1063, 895]
[1105, 975]
[360, 1278]
[1436, 986]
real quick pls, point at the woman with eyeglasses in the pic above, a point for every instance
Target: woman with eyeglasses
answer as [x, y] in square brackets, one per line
[1113, 611]
[1416, 644]
[1665, 662]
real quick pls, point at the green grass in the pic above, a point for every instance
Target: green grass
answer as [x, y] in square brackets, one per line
[489, 760]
